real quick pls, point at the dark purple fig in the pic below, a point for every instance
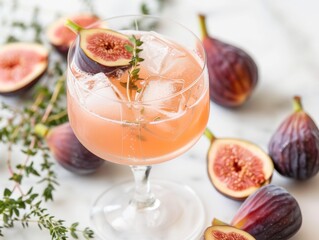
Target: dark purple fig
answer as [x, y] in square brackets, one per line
[61, 37]
[233, 74]
[271, 213]
[225, 233]
[100, 50]
[21, 66]
[67, 149]
[294, 147]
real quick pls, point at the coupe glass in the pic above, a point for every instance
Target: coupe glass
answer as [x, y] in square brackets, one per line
[164, 118]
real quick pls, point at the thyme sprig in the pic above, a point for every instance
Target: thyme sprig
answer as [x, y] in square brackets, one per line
[134, 72]
[17, 130]
[18, 206]
[27, 207]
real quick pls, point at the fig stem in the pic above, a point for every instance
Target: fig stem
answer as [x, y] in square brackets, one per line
[41, 130]
[202, 22]
[208, 133]
[297, 104]
[217, 222]
[73, 26]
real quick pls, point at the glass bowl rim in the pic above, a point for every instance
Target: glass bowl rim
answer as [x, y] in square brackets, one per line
[149, 102]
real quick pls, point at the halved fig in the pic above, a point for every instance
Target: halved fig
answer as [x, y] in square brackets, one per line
[100, 50]
[21, 66]
[226, 233]
[62, 37]
[237, 168]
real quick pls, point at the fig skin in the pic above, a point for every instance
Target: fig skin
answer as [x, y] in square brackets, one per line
[294, 147]
[246, 167]
[271, 213]
[61, 37]
[17, 57]
[233, 74]
[68, 151]
[226, 232]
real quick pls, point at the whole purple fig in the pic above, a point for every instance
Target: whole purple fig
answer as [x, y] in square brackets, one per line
[67, 149]
[294, 147]
[271, 213]
[233, 74]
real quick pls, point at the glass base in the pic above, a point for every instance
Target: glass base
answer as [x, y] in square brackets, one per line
[177, 213]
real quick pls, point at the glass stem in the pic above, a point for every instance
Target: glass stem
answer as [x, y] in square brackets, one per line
[143, 196]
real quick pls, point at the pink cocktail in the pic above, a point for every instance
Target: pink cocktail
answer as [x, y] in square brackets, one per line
[157, 120]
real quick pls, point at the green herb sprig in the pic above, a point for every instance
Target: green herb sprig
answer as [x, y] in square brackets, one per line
[27, 207]
[18, 131]
[18, 206]
[133, 73]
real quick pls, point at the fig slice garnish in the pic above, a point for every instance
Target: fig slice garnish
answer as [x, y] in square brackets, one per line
[100, 50]
[21, 66]
[237, 168]
[226, 233]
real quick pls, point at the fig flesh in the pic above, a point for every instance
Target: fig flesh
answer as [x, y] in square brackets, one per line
[100, 50]
[233, 74]
[294, 147]
[238, 168]
[62, 37]
[21, 66]
[271, 213]
[226, 233]
[67, 149]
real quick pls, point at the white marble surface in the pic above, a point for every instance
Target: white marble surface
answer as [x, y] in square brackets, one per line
[283, 37]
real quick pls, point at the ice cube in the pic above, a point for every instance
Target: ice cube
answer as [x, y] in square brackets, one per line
[101, 103]
[164, 107]
[157, 88]
[170, 129]
[101, 96]
[156, 97]
[99, 81]
[158, 53]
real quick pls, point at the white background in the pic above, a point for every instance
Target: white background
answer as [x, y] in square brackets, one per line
[282, 36]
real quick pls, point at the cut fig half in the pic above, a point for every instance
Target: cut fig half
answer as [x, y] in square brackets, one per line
[225, 233]
[100, 50]
[62, 37]
[21, 66]
[238, 168]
